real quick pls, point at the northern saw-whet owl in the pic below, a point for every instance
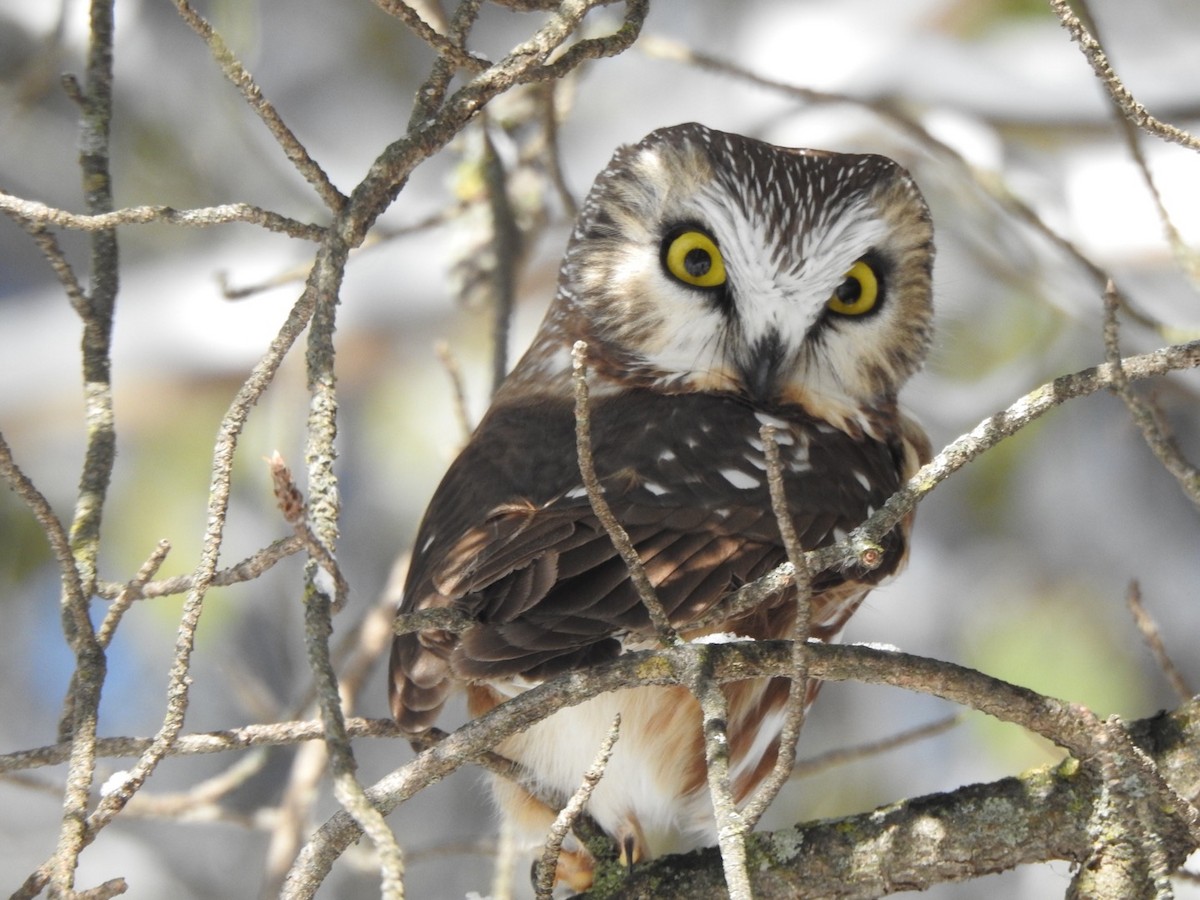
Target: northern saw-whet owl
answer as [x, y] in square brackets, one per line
[721, 283]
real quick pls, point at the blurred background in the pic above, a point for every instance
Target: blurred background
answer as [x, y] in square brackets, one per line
[1020, 564]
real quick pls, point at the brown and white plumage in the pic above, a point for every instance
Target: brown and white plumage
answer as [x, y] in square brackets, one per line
[721, 283]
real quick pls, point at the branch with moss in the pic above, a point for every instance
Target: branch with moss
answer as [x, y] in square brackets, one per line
[912, 845]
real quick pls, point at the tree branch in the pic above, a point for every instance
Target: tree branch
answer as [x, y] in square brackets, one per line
[940, 838]
[1069, 726]
[39, 214]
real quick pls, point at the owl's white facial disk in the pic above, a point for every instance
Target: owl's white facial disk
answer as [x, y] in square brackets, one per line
[778, 293]
[788, 227]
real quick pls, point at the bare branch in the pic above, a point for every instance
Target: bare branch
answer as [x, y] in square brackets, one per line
[1188, 259]
[731, 830]
[131, 592]
[454, 373]
[450, 50]
[43, 514]
[1067, 725]
[39, 214]
[797, 701]
[941, 838]
[595, 493]
[295, 151]
[346, 787]
[270, 735]
[990, 432]
[548, 99]
[523, 64]
[49, 246]
[82, 704]
[546, 866]
[1132, 110]
[845, 755]
[1145, 416]
[247, 570]
[379, 237]
[1149, 631]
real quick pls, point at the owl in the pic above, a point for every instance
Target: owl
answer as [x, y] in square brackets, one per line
[721, 283]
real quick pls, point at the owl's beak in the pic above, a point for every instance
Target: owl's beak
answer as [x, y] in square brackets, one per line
[762, 365]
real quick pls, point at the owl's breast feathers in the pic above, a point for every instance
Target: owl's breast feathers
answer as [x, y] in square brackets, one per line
[510, 538]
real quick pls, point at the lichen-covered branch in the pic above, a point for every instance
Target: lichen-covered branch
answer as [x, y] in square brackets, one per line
[1069, 726]
[911, 845]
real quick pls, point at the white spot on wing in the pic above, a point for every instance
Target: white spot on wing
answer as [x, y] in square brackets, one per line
[757, 461]
[666, 456]
[576, 493]
[740, 479]
[773, 421]
[863, 480]
[655, 488]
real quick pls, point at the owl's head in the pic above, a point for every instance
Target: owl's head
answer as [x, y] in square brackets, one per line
[706, 261]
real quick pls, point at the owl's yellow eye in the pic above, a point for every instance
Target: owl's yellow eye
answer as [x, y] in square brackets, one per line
[858, 292]
[693, 258]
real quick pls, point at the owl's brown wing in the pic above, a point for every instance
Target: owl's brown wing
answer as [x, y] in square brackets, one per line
[510, 538]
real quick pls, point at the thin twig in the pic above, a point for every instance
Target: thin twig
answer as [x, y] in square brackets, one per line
[845, 755]
[987, 434]
[1187, 258]
[748, 596]
[1145, 416]
[200, 801]
[249, 569]
[1129, 106]
[379, 237]
[432, 94]
[43, 514]
[457, 385]
[545, 868]
[131, 592]
[731, 830]
[1150, 634]
[595, 492]
[797, 699]
[48, 243]
[346, 787]
[40, 214]
[434, 122]
[354, 659]
[237, 74]
[444, 47]
[548, 101]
